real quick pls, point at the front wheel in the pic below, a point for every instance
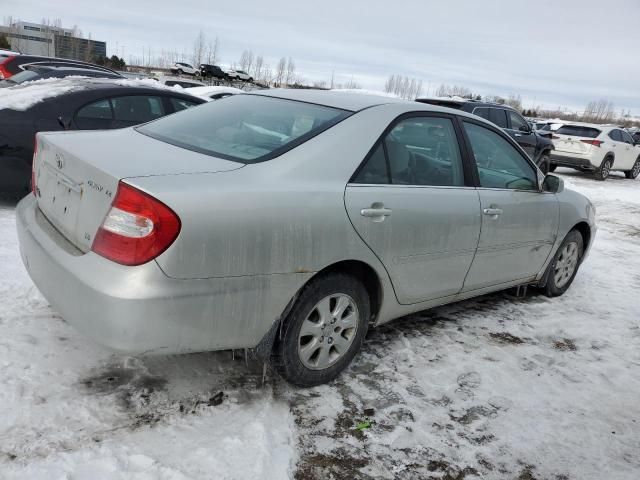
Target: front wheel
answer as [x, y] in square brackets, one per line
[545, 164]
[605, 169]
[635, 171]
[323, 331]
[564, 266]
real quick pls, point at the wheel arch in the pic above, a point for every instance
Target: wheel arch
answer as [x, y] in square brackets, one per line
[585, 231]
[365, 273]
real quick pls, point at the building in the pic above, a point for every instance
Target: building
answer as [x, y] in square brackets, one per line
[52, 41]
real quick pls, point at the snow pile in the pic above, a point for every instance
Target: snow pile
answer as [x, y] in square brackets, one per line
[70, 409]
[366, 92]
[24, 96]
[206, 92]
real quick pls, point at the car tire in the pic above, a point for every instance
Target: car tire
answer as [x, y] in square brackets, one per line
[250, 80]
[604, 170]
[564, 266]
[545, 163]
[552, 167]
[635, 171]
[180, 72]
[323, 331]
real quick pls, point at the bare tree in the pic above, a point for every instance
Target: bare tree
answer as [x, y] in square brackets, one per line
[246, 60]
[403, 87]
[280, 72]
[199, 49]
[291, 71]
[445, 90]
[257, 69]
[599, 111]
[515, 101]
[212, 52]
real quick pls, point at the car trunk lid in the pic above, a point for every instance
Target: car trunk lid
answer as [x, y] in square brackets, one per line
[77, 174]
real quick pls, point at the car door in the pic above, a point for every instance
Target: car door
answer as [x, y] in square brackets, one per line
[519, 222]
[618, 146]
[413, 203]
[521, 132]
[96, 115]
[631, 152]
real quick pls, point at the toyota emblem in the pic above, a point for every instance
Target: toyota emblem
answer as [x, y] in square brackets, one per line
[59, 161]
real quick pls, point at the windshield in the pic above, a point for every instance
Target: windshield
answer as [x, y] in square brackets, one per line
[245, 128]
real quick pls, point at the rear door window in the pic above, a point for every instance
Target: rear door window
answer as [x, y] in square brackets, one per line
[498, 116]
[482, 112]
[136, 109]
[95, 116]
[517, 122]
[419, 151]
[615, 135]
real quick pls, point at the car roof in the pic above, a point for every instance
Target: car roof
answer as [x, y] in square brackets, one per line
[351, 101]
[70, 68]
[457, 102]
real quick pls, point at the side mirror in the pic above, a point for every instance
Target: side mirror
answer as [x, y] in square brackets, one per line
[525, 128]
[552, 184]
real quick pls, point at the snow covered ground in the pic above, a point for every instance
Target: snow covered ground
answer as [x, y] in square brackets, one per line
[492, 388]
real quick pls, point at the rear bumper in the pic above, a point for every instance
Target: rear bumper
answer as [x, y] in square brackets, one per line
[581, 163]
[140, 309]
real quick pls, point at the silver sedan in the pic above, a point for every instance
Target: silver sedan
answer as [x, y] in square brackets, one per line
[289, 222]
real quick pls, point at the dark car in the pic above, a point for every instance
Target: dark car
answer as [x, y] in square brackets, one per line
[39, 72]
[12, 65]
[96, 104]
[212, 71]
[537, 146]
[636, 137]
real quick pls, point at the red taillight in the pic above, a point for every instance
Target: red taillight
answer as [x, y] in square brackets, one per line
[137, 228]
[596, 143]
[34, 187]
[4, 71]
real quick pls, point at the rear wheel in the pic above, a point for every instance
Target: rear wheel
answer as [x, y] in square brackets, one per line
[180, 72]
[564, 266]
[552, 167]
[605, 169]
[635, 171]
[323, 331]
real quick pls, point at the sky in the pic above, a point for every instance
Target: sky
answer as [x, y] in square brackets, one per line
[552, 53]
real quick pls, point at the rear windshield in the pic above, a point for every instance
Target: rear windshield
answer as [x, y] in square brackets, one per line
[244, 128]
[578, 131]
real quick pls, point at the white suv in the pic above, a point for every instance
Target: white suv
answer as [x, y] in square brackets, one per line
[595, 148]
[240, 75]
[184, 68]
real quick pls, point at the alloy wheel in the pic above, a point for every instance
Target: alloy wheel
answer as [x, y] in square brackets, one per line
[328, 331]
[566, 264]
[606, 169]
[636, 169]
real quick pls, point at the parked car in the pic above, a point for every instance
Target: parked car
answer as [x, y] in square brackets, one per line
[290, 222]
[173, 81]
[213, 92]
[212, 71]
[636, 136]
[13, 64]
[32, 73]
[239, 75]
[537, 146]
[182, 68]
[81, 105]
[596, 148]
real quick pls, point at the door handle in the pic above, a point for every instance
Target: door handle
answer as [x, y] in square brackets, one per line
[377, 212]
[494, 212]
